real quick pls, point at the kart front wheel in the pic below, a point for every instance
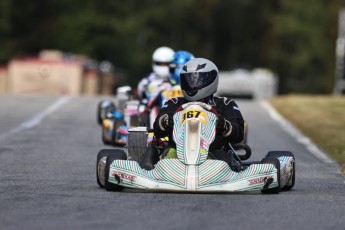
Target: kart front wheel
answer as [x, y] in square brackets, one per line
[276, 163]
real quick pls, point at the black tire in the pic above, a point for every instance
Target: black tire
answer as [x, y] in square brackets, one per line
[116, 154]
[100, 155]
[276, 163]
[277, 154]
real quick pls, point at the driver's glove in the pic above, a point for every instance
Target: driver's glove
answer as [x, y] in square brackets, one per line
[166, 122]
[224, 126]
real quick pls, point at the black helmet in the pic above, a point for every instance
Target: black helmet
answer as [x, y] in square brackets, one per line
[199, 79]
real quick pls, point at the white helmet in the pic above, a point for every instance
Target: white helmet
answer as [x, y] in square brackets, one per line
[199, 79]
[161, 59]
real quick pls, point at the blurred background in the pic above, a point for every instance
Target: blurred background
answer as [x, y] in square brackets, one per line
[93, 47]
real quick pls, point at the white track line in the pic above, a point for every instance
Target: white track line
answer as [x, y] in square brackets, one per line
[36, 119]
[295, 133]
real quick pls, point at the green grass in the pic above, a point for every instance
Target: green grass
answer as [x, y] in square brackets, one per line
[322, 118]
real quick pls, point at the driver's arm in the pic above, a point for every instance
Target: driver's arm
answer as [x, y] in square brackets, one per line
[232, 113]
[169, 107]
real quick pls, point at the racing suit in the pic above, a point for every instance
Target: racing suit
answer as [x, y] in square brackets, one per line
[149, 91]
[147, 85]
[224, 106]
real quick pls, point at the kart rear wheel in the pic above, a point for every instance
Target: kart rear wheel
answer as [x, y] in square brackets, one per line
[116, 154]
[276, 163]
[291, 183]
[277, 154]
[101, 166]
[100, 155]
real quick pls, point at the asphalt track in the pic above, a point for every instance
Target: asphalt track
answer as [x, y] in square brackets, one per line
[48, 148]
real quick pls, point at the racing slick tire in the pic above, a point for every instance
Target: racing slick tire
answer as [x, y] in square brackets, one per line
[277, 154]
[111, 155]
[276, 163]
[100, 155]
[117, 154]
[100, 111]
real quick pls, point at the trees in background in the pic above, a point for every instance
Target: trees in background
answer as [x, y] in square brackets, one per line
[293, 38]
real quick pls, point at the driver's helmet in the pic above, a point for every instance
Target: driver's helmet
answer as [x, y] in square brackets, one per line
[199, 79]
[180, 58]
[161, 58]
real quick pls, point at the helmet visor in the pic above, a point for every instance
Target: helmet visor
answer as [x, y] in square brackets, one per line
[158, 63]
[197, 80]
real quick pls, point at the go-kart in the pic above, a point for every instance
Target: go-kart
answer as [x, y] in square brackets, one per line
[113, 117]
[114, 128]
[123, 94]
[115, 123]
[103, 108]
[193, 169]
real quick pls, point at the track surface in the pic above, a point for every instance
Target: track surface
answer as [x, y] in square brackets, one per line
[47, 178]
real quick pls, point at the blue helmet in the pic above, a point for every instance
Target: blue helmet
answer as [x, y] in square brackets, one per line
[181, 57]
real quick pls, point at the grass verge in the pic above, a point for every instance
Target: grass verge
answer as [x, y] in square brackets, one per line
[322, 118]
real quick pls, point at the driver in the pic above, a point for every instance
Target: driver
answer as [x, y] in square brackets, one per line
[161, 59]
[199, 82]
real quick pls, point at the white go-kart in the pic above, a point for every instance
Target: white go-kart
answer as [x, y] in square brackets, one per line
[194, 170]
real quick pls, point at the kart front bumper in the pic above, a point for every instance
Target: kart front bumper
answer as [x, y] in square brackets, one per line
[210, 176]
